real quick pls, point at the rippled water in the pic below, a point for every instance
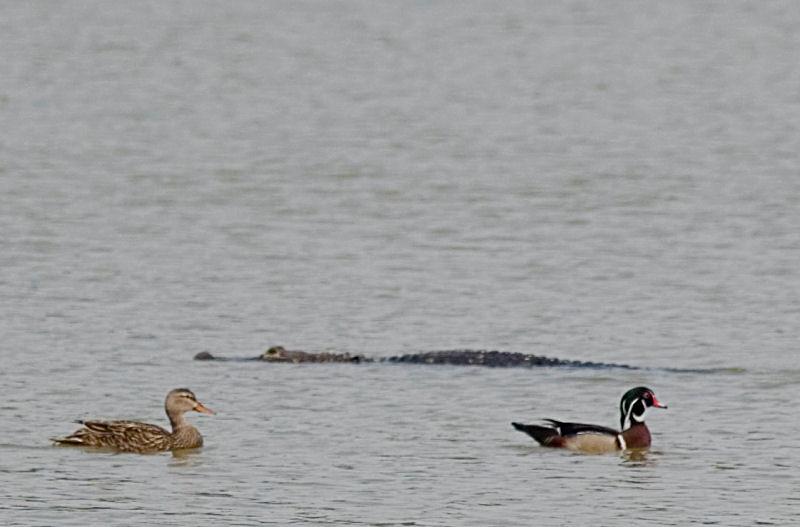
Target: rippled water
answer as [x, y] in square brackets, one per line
[610, 181]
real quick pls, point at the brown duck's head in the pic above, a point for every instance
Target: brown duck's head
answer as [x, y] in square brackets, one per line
[634, 405]
[183, 400]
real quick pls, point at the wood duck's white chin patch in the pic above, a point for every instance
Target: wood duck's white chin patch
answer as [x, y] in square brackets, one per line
[639, 418]
[631, 415]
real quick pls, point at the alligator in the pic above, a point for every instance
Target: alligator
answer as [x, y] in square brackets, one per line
[493, 359]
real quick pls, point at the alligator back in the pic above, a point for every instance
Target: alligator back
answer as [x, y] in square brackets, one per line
[493, 359]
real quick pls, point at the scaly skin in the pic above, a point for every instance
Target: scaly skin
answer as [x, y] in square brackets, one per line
[492, 359]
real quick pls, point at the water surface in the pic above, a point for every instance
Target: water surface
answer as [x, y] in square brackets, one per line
[612, 183]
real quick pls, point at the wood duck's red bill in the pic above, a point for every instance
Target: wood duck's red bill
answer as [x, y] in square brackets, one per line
[657, 403]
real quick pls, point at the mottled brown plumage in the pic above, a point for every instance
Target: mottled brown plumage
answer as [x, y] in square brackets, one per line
[133, 436]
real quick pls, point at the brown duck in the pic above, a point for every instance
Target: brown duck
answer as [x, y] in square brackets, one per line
[596, 439]
[133, 436]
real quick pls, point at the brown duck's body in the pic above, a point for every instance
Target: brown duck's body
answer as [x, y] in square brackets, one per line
[595, 439]
[134, 436]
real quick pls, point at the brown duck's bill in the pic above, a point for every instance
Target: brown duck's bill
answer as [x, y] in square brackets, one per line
[203, 409]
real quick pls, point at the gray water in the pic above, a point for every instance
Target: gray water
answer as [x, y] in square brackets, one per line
[604, 181]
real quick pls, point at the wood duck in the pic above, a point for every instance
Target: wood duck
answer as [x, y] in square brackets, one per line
[133, 436]
[595, 439]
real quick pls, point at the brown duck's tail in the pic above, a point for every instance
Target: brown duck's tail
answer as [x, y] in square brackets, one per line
[542, 434]
[70, 440]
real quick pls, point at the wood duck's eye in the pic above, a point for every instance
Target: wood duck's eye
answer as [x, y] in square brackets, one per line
[647, 395]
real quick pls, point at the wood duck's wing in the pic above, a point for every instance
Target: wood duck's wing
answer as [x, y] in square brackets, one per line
[571, 429]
